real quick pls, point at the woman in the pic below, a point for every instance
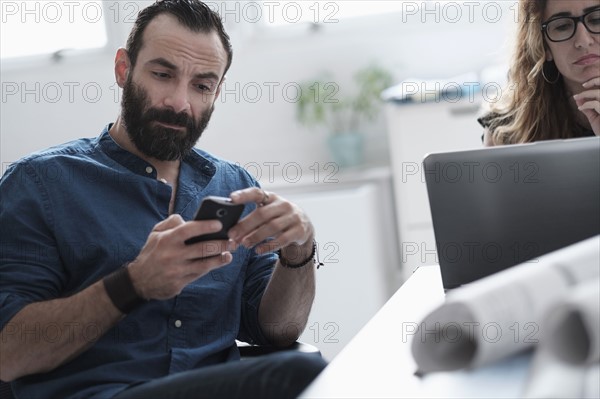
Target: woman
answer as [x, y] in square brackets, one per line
[554, 79]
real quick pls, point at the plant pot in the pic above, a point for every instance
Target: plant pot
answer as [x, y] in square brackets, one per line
[347, 149]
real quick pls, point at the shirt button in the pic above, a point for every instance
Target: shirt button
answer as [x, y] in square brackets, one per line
[149, 169]
[177, 323]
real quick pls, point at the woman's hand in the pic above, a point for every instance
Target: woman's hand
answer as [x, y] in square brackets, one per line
[588, 102]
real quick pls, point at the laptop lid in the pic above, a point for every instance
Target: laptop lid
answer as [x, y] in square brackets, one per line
[493, 208]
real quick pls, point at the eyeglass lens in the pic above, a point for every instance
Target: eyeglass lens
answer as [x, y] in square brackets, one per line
[564, 28]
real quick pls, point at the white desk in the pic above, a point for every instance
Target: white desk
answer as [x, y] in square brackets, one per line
[378, 362]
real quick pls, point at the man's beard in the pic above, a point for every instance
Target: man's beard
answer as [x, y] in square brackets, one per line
[153, 139]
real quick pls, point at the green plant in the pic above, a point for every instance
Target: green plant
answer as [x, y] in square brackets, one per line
[323, 102]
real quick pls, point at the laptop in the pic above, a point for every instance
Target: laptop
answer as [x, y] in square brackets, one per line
[493, 208]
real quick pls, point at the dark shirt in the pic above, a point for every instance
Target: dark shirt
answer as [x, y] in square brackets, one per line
[72, 214]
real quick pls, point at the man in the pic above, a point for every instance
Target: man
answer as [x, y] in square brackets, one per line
[100, 296]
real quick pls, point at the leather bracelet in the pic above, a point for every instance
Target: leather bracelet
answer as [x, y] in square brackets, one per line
[288, 265]
[119, 288]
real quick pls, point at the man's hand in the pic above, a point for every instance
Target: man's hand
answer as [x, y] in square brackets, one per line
[276, 218]
[290, 293]
[588, 102]
[166, 264]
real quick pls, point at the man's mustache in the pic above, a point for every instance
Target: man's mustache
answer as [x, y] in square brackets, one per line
[170, 117]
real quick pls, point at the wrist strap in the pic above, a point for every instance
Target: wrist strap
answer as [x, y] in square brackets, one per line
[288, 265]
[119, 288]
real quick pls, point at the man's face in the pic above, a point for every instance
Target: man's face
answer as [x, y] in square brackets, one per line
[159, 133]
[169, 94]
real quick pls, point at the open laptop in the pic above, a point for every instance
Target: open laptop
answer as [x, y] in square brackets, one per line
[493, 208]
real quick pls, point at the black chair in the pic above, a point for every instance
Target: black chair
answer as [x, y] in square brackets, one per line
[249, 351]
[246, 351]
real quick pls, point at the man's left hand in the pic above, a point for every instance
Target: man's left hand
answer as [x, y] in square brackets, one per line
[275, 218]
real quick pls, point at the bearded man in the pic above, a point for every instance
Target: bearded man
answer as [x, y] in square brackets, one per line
[100, 296]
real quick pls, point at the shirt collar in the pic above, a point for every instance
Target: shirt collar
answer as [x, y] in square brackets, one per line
[195, 166]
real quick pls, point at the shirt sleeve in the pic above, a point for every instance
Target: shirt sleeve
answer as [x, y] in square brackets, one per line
[258, 273]
[30, 268]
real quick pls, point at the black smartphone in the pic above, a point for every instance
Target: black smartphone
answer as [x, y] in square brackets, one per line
[219, 208]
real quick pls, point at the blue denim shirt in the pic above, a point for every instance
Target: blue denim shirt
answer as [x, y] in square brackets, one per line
[72, 214]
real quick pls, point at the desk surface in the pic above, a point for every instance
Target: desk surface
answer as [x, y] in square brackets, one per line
[378, 361]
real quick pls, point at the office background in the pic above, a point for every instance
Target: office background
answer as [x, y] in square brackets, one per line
[49, 100]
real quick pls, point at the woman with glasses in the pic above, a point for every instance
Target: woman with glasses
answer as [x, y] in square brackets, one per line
[554, 80]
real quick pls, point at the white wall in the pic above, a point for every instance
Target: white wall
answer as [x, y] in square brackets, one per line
[422, 44]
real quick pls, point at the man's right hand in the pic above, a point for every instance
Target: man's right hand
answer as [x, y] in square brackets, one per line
[166, 264]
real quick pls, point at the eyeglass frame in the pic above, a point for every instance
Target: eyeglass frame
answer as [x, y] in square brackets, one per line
[577, 20]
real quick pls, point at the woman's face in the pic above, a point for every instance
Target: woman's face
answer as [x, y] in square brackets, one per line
[578, 58]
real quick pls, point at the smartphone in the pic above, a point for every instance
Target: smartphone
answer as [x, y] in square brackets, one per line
[219, 208]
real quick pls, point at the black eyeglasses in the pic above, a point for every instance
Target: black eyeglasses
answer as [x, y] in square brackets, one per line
[560, 29]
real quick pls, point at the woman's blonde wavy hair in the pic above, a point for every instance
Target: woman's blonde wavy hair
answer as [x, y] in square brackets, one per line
[531, 109]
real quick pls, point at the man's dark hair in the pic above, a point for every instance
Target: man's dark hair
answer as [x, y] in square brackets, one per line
[193, 14]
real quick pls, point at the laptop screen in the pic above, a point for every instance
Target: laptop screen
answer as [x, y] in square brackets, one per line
[493, 208]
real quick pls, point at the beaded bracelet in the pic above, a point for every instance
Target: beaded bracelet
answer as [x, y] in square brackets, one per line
[288, 265]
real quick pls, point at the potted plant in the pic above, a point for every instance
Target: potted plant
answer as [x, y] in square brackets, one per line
[343, 112]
